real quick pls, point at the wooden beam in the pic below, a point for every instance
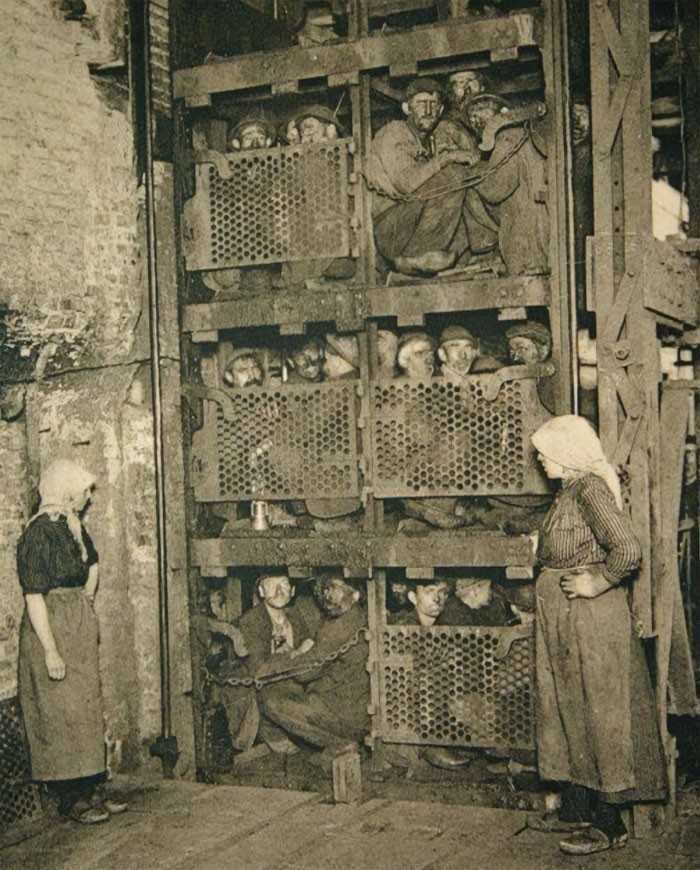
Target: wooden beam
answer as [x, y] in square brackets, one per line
[369, 53]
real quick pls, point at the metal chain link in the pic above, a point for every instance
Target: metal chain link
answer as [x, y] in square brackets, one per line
[471, 181]
[291, 673]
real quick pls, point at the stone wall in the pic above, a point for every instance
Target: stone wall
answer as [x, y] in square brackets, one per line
[73, 281]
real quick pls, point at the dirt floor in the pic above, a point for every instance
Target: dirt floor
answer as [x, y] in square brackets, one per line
[190, 826]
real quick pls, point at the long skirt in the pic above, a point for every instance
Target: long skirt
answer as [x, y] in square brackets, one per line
[63, 718]
[596, 720]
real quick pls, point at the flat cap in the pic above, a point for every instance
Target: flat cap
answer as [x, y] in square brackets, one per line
[530, 329]
[424, 86]
[457, 333]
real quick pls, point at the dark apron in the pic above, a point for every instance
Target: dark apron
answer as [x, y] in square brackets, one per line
[63, 718]
[596, 720]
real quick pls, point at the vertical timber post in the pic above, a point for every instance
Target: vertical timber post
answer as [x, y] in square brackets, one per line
[628, 359]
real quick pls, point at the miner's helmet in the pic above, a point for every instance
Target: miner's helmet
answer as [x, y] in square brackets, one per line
[321, 113]
[415, 335]
[538, 332]
[254, 118]
[497, 102]
[457, 333]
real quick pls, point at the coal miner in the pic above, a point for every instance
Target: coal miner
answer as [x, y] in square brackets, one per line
[314, 125]
[277, 625]
[427, 598]
[476, 601]
[516, 188]
[243, 369]
[305, 362]
[416, 360]
[452, 131]
[416, 355]
[424, 222]
[530, 343]
[330, 710]
[387, 351]
[253, 132]
[459, 352]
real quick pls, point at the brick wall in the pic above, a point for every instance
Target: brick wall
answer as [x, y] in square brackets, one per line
[67, 207]
[13, 460]
[71, 232]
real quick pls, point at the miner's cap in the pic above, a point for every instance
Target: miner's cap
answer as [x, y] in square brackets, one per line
[424, 86]
[457, 333]
[529, 329]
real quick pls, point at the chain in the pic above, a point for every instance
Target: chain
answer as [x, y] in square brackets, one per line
[470, 181]
[299, 671]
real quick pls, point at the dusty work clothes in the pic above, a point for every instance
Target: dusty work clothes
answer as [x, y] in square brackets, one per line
[332, 708]
[441, 214]
[240, 702]
[63, 718]
[595, 709]
[517, 191]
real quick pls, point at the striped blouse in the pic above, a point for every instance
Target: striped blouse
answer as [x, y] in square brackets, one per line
[584, 526]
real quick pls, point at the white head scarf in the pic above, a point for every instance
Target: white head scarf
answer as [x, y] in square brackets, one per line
[572, 442]
[62, 482]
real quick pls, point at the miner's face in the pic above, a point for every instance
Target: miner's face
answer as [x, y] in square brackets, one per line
[419, 359]
[429, 600]
[463, 86]
[253, 136]
[308, 362]
[480, 115]
[526, 350]
[459, 355]
[313, 130]
[581, 123]
[277, 592]
[338, 597]
[245, 371]
[473, 595]
[424, 110]
[387, 345]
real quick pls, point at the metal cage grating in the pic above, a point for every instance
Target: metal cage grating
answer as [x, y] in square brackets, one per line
[279, 205]
[444, 437]
[457, 686]
[19, 798]
[293, 442]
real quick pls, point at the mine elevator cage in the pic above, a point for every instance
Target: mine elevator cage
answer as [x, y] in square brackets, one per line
[364, 439]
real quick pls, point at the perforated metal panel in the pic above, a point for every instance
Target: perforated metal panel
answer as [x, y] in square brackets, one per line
[280, 204]
[457, 686]
[444, 437]
[19, 798]
[290, 442]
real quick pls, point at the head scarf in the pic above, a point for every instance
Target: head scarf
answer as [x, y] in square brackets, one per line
[572, 442]
[61, 482]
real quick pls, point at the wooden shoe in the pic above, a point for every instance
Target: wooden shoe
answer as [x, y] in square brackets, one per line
[591, 841]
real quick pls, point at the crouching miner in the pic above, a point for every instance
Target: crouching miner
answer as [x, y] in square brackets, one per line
[327, 707]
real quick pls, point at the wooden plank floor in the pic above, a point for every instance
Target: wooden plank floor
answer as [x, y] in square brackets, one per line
[188, 826]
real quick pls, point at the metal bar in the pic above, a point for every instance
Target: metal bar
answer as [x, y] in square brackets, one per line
[455, 37]
[166, 748]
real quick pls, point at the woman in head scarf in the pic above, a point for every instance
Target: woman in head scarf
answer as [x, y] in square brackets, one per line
[59, 684]
[596, 724]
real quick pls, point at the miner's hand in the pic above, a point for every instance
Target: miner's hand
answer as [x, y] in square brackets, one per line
[458, 156]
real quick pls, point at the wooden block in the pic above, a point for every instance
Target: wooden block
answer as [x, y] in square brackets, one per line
[347, 777]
